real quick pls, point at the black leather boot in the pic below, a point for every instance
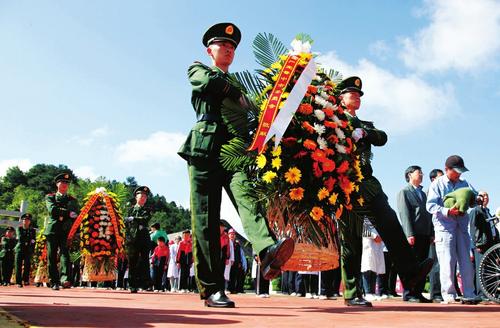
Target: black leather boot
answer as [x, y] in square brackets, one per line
[219, 300]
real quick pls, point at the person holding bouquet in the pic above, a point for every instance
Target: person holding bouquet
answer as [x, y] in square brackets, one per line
[210, 87]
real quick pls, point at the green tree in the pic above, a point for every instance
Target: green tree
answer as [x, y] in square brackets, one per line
[36, 203]
[41, 177]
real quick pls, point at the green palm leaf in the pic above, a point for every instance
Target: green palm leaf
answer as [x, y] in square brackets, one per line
[234, 155]
[267, 49]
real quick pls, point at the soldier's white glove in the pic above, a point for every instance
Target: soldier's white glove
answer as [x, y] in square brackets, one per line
[358, 133]
[73, 215]
[129, 219]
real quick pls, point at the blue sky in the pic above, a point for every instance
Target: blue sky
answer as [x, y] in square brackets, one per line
[101, 86]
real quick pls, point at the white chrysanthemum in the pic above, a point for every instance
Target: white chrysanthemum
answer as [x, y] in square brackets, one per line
[336, 120]
[322, 143]
[320, 101]
[299, 47]
[320, 115]
[319, 128]
[324, 95]
[340, 133]
[340, 148]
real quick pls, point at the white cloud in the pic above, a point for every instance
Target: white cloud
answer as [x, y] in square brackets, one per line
[398, 104]
[159, 146]
[92, 137]
[86, 172]
[380, 49]
[23, 163]
[463, 35]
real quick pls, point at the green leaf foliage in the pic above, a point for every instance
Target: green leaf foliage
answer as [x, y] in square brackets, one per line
[267, 49]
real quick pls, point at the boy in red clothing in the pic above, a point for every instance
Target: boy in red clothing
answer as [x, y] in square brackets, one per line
[185, 260]
[159, 260]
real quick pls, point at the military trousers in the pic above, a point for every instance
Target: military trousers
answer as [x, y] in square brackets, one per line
[138, 264]
[384, 219]
[7, 267]
[207, 178]
[55, 244]
[350, 229]
[23, 266]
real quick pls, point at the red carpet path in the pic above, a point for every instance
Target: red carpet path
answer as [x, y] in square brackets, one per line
[76, 307]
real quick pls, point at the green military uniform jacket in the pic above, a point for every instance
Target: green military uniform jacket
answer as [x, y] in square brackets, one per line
[26, 240]
[364, 145]
[8, 245]
[210, 87]
[59, 207]
[137, 229]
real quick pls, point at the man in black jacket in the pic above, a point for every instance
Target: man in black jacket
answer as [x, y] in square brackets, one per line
[483, 234]
[416, 223]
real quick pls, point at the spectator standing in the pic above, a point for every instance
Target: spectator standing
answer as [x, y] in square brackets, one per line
[184, 260]
[434, 284]
[159, 260]
[483, 235]
[417, 225]
[372, 259]
[451, 232]
[173, 270]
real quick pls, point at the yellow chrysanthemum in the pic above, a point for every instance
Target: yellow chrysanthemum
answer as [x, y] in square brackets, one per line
[276, 163]
[293, 175]
[296, 193]
[269, 176]
[316, 213]
[284, 95]
[276, 151]
[333, 198]
[323, 193]
[267, 70]
[261, 161]
[361, 201]
[276, 65]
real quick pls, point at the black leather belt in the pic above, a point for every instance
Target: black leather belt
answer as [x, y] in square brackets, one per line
[210, 117]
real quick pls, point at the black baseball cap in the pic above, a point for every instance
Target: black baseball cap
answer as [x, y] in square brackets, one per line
[457, 163]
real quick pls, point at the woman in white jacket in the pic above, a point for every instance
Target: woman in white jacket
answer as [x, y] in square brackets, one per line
[372, 259]
[173, 270]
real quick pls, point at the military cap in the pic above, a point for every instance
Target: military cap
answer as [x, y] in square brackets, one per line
[349, 84]
[456, 163]
[9, 229]
[26, 216]
[141, 189]
[222, 32]
[64, 177]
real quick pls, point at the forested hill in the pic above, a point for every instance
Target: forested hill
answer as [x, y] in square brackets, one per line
[33, 185]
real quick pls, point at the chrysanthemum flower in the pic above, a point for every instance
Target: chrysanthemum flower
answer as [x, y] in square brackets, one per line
[276, 152]
[361, 201]
[318, 155]
[305, 109]
[269, 176]
[328, 165]
[323, 193]
[308, 127]
[296, 193]
[309, 144]
[293, 175]
[333, 198]
[261, 161]
[316, 213]
[276, 163]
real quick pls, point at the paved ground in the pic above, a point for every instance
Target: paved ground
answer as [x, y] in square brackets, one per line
[101, 308]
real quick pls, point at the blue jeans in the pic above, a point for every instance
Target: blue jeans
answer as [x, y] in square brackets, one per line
[453, 246]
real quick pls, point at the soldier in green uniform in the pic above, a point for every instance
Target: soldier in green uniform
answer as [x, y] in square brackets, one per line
[137, 241]
[7, 255]
[375, 207]
[26, 236]
[63, 209]
[210, 87]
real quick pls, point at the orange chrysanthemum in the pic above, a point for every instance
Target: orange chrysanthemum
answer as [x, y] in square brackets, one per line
[305, 109]
[312, 89]
[308, 127]
[343, 167]
[293, 175]
[328, 111]
[323, 193]
[318, 155]
[328, 165]
[309, 144]
[330, 124]
[296, 193]
[316, 213]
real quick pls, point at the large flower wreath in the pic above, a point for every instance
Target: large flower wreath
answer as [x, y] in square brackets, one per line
[313, 174]
[101, 231]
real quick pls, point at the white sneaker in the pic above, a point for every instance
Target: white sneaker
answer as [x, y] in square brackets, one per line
[309, 295]
[323, 297]
[293, 294]
[382, 297]
[370, 297]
